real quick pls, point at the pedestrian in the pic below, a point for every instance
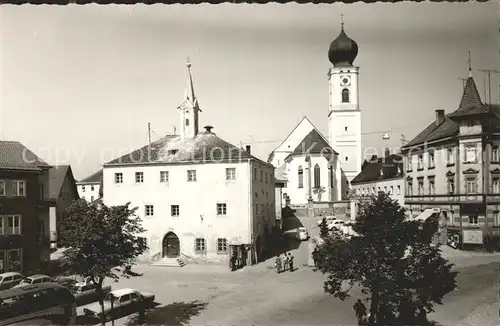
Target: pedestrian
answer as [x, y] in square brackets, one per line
[285, 262]
[290, 261]
[277, 264]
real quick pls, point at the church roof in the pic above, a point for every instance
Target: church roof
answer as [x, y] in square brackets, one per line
[383, 168]
[470, 106]
[313, 143]
[205, 147]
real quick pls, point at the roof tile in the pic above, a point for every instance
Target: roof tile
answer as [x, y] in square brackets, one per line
[15, 156]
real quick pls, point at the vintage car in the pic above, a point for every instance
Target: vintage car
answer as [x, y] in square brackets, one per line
[120, 303]
[35, 279]
[302, 233]
[329, 219]
[9, 279]
[85, 292]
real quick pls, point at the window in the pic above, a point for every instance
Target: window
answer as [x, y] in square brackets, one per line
[474, 220]
[301, 177]
[91, 188]
[420, 165]
[221, 246]
[496, 217]
[317, 176]
[261, 176]
[470, 185]
[221, 209]
[139, 177]
[14, 224]
[200, 246]
[494, 153]
[345, 128]
[118, 177]
[346, 158]
[420, 186]
[450, 156]
[330, 175]
[399, 190]
[409, 165]
[83, 188]
[149, 210]
[230, 173]
[495, 185]
[256, 209]
[431, 160]
[174, 210]
[14, 260]
[391, 191]
[164, 176]
[187, 122]
[432, 186]
[19, 188]
[191, 175]
[345, 95]
[265, 175]
[469, 123]
[470, 154]
[451, 186]
[255, 174]
[91, 198]
[2, 188]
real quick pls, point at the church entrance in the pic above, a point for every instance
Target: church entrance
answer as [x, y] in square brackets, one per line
[171, 245]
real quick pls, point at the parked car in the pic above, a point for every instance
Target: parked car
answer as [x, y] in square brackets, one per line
[120, 303]
[35, 279]
[85, 292]
[302, 233]
[335, 224]
[9, 280]
[329, 219]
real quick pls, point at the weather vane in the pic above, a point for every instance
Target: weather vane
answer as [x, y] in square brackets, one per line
[188, 63]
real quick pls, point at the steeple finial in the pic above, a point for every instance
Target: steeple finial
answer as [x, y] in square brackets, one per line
[188, 63]
[342, 20]
[470, 66]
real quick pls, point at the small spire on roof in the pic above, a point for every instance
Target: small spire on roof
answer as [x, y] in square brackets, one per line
[342, 20]
[470, 66]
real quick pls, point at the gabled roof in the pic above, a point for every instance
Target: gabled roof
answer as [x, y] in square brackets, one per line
[390, 166]
[205, 147]
[313, 143]
[15, 156]
[303, 120]
[470, 105]
[280, 173]
[57, 176]
[93, 178]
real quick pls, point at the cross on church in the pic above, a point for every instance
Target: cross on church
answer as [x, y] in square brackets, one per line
[342, 18]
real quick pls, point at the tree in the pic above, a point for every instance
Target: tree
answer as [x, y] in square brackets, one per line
[101, 241]
[401, 275]
[323, 229]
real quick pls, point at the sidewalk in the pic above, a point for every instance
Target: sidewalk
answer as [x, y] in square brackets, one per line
[484, 315]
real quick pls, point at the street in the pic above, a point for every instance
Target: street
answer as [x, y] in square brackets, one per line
[257, 295]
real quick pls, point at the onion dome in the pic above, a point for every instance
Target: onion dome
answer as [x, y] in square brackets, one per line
[343, 50]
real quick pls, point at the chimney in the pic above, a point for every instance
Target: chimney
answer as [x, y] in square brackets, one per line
[439, 116]
[208, 129]
[248, 149]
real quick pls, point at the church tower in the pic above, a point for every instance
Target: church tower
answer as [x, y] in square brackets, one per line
[344, 116]
[188, 110]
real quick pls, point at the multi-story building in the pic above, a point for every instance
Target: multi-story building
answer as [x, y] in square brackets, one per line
[89, 188]
[24, 209]
[381, 174]
[63, 192]
[453, 165]
[197, 195]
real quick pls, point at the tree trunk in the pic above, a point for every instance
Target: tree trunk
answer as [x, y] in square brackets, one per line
[372, 320]
[100, 295]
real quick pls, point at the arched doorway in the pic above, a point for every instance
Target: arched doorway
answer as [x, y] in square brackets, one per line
[171, 245]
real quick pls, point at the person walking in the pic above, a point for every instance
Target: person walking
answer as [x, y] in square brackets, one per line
[285, 261]
[277, 264]
[290, 261]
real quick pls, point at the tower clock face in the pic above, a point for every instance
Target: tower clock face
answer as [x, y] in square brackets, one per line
[345, 80]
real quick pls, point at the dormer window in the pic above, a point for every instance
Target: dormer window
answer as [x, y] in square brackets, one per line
[345, 95]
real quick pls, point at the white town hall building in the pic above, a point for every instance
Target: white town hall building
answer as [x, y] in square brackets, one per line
[319, 167]
[198, 195]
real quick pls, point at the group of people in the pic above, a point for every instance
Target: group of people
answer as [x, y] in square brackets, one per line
[284, 262]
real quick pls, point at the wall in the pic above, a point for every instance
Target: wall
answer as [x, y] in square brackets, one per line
[299, 196]
[27, 208]
[66, 197]
[366, 188]
[197, 202]
[88, 193]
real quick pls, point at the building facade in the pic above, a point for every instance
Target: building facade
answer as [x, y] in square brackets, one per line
[63, 193]
[89, 187]
[384, 174]
[196, 194]
[453, 165]
[24, 208]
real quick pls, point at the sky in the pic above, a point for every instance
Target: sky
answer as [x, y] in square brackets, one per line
[79, 84]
